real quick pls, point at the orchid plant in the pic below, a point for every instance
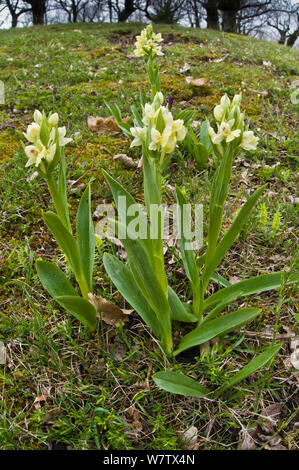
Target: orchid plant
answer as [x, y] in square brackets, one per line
[143, 282]
[46, 152]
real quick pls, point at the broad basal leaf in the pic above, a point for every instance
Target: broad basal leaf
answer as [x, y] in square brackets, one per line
[85, 236]
[124, 281]
[217, 327]
[250, 286]
[80, 308]
[177, 383]
[255, 364]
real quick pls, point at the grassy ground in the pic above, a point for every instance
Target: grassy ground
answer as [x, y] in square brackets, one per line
[61, 387]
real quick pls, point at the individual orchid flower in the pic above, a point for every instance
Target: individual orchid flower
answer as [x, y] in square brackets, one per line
[33, 132]
[249, 141]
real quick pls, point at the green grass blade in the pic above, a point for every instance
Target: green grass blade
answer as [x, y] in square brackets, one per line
[83, 310]
[217, 327]
[85, 236]
[255, 364]
[179, 384]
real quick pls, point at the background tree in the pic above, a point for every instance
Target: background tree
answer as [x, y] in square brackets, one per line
[16, 8]
[284, 19]
[164, 11]
[38, 10]
[73, 8]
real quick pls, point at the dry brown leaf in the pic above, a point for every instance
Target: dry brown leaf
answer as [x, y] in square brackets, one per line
[101, 125]
[127, 161]
[247, 441]
[120, 350]
[272, 412]
[40, 399]
[110, 313]
[190, 438]
[200, 82]
[294, 344]
[294, 358]
[134, 419]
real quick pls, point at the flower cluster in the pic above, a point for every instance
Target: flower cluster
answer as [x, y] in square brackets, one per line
[230, 124]
[45, 139]
[160, 131]
[148, 43]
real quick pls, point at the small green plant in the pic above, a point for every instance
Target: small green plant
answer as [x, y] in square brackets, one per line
[269, 228]
[45, 151]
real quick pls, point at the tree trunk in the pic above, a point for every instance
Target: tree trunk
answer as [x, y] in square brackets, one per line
[14, 20]
[127, 11]
[75, 14]
[229, 21]
[38, 9]
[292, 38]
[283, 36]
[196, 14]
[212, 15]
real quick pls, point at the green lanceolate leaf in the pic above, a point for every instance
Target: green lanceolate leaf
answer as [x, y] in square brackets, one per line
[188, 257]
[204, 136]
[69, 246]
[218, 197]
[153, 203]
[124, 281]
[230, 236]
[178, 310]
[221, 306]
[255, 364]
[220, 280]
[62, 189]
[250, 286]
[85, 236]
[123, 201]
[54, 280]
[219, 326]
[179, 384]
[64, 239]
[83, 310]
[124, 126]
[203, 155]
[137, 116]
[145, 277]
